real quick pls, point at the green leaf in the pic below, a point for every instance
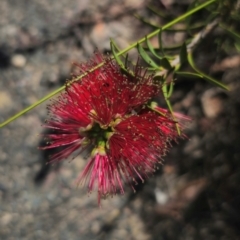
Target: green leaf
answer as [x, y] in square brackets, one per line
[126, 62]
[169, 48]
[170, 90]
[165, 94]
[114, 50]
[194, 26]
[160, 42]
[165, 63]
[206, 77]
[146, 57]
[152, 50]
[189, 74]
[183, 53]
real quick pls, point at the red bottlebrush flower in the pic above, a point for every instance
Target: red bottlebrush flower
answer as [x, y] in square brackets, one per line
[111, 114]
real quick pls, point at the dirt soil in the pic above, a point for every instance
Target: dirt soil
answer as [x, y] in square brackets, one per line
[194, 195]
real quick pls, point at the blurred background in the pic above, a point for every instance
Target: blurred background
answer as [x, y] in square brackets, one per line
[194, 195]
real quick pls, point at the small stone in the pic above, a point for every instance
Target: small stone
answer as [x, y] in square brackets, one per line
[6, 219]
[161, 196]
[212, 103]
[5, 100]
[18, 61]
[95, 227]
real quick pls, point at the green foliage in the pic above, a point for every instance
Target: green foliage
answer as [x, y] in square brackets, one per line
[169, 61]
[115, 51]
[229, 18]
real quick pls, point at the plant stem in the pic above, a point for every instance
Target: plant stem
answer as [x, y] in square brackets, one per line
[182, 17]
[32, 106]
[170, 24]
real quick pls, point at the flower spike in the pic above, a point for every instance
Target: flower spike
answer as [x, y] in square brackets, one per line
[108, 113]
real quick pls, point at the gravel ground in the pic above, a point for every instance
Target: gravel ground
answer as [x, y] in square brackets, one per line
[194, 195]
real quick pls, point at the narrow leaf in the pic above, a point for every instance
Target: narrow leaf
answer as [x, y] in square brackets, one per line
[183, 53]
[170, 90]
[115, 55]
[126, 62]
[152, 50]
[165, 93]
[189, 74]
[160, 42]
[170, 48]
[165, 63]
[206, 77]
[146, 57]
